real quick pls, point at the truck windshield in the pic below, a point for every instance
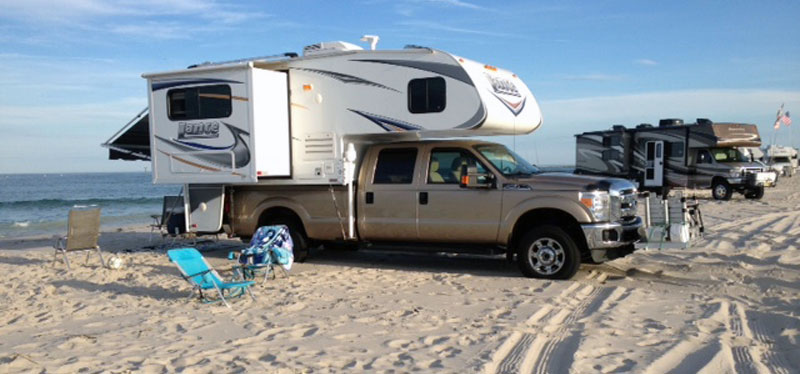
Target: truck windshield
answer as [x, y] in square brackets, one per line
[729, 155]
[780, 159]
[506, 161]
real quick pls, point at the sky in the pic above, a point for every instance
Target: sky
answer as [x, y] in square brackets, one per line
[70, 71]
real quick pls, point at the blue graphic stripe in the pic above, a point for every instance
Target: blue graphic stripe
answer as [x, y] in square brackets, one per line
[202, 146]
[383, 122]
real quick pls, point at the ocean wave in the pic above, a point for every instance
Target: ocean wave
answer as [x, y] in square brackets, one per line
[21, 224]
[54, 203]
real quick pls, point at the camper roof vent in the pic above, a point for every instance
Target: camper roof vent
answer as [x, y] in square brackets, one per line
[644, 126]
[414, 46]
[670, 122]
[329, 47]
[618, 128]
[704, 121]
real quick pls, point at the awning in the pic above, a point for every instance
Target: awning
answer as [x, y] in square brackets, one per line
[132, 142]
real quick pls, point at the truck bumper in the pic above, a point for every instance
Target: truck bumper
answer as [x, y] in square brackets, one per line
[612, 234]
[607, 241]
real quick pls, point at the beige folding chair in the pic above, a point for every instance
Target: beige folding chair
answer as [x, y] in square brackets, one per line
[83, 231]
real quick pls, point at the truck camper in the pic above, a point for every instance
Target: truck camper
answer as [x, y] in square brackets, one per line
[343, 145]
[700, 155]
[782, 159]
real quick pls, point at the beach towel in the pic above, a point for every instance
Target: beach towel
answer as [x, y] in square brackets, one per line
[269, 245]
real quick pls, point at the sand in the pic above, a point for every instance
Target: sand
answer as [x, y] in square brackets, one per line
[729, 304]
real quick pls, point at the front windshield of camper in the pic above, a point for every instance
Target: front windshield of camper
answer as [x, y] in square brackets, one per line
[506, 161]
[729, 155]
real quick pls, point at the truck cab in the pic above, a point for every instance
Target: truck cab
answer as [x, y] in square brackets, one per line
[452, 195]
[728, 169]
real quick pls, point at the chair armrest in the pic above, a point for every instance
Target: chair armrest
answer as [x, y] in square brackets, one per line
[187, 277]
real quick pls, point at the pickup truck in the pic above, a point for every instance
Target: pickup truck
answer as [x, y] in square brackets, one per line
[455, 194]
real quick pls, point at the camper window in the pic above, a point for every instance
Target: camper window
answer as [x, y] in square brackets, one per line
[426, 95]
[703, 157]
[202, 102]
[611, 154]
[395, 166]
[612, 140]
[675, 149]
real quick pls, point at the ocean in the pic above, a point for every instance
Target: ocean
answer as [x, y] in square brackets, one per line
[38, 204]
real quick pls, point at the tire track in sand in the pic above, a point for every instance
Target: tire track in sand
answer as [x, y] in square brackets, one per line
[547, 341]
[727, 343]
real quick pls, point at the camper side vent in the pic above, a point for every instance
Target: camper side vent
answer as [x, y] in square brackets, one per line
[319, 146]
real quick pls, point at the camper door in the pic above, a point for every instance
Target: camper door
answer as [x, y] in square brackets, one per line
[211, 125]
[654, 164]
[205, 208]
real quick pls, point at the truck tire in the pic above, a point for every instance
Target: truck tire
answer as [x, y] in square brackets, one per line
[756, 193]
[548, 252]
[299, 239]
[721, 190]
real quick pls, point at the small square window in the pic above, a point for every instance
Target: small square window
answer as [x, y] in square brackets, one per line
[427, 95]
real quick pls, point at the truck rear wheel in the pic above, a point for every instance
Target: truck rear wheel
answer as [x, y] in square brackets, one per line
[721, 190]
[548, 252]
[299, 239]
[756, 193]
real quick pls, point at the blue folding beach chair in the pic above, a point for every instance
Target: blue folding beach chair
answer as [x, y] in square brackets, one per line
[270, 247]
[196, 270]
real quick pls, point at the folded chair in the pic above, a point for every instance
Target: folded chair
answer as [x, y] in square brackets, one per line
[172, 206]
[270, 247]
[196, 270]
[82, 233]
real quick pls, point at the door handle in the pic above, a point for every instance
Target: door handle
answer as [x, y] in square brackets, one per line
[370, 197]
[423, 198]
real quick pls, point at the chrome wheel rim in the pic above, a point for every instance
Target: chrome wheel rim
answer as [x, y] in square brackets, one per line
[721, 190]
[546, 256]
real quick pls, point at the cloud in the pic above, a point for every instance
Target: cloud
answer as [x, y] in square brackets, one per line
[140, 19]
[645, 62]
[592, 77]
[456, 3]
[442, 27]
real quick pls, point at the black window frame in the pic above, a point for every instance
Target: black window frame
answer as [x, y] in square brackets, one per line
[194, 111]
[387, 179]
[427, 107]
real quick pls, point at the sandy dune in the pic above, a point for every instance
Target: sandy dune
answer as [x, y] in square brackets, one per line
[731, 304]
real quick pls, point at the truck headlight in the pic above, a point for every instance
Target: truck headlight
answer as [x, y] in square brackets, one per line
[598, 202]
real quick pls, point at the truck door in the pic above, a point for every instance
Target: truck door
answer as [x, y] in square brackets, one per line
[450, 213]
[387, 203]
[654, 164]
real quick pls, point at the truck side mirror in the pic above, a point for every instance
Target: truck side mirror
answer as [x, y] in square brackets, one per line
[471, 178]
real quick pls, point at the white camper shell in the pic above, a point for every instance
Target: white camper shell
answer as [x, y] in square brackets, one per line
[289, 121]
[292, 120]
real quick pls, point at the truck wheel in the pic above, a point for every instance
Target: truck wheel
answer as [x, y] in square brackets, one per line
[299, 240]
[756, 193]
[721, 190]
[548, 252]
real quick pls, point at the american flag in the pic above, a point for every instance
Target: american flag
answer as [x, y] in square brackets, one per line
[786, 119]
[782, 117]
